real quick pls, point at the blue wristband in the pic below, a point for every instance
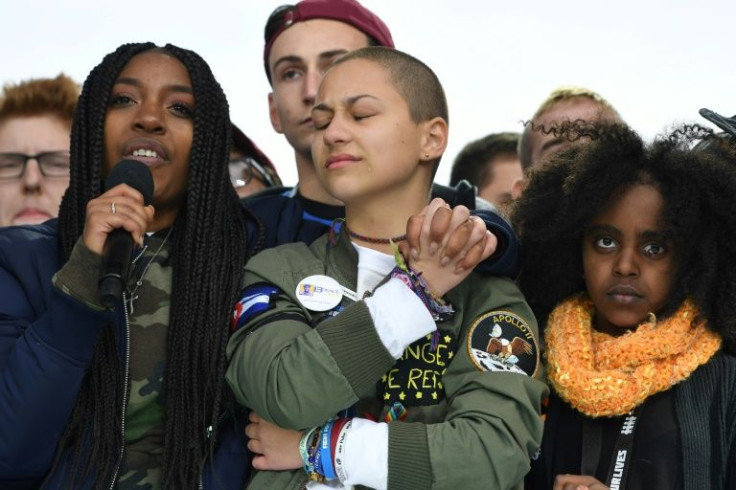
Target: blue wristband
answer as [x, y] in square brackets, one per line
[328, 469]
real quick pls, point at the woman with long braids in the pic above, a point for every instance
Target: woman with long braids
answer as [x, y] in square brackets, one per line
[131, 397]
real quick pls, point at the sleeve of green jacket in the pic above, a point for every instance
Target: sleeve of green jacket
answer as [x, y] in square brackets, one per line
[492, 425]
[298, 376]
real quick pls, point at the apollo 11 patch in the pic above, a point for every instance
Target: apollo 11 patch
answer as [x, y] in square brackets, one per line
[502, 341]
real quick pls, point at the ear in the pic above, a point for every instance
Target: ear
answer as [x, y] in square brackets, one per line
[518, 188]
[434, 139]
[274, 114]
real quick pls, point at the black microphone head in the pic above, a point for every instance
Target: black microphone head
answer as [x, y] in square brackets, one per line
[134, 173]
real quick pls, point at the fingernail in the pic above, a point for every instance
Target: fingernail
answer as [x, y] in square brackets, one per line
[444, 261]
[459, 270]
[433, 248]
[414, 253]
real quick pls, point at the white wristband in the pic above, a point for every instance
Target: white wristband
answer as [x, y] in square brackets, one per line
[340, 452]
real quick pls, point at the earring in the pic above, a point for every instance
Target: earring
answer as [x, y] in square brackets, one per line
[426, 155]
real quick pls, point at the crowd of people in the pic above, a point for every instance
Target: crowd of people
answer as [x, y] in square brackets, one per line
[561, 316]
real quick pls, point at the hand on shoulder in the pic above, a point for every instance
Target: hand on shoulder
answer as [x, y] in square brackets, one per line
[446, 244]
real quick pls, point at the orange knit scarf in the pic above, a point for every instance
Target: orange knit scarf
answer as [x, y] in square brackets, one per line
[602, 375]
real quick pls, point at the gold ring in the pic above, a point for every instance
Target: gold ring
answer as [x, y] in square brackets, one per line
[112, 207]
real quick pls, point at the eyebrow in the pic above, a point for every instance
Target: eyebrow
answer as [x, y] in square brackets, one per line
[298, 59]
[331, 54]
[654, 235]
[287, 59]
[602, 229]
[612, 230]
[137, 83]
[553, 142]
[350, 101]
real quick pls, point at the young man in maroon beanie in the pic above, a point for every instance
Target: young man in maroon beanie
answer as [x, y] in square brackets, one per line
[301, 42]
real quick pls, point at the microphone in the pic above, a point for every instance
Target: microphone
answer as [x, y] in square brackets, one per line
[116, 254]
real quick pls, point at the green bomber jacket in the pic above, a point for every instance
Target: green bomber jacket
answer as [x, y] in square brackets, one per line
[473, 402]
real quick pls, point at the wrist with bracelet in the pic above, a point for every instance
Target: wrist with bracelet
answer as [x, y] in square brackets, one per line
[439, 309]
[309, 450]
[317, 448]
[339, 446]
[304, 448]
[326, 452]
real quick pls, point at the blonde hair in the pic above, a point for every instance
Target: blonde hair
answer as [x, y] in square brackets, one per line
[560, 94]
[566, 92]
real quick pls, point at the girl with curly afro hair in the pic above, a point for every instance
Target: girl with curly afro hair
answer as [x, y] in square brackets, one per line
[629, 257]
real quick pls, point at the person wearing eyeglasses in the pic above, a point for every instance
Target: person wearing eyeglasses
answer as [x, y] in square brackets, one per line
[251, 170]
[35, 125]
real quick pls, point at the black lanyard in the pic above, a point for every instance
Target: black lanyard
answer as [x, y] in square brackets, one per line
[618, 470]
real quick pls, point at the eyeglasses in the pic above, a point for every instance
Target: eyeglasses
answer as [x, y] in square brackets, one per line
[243, 169]
[53, 164]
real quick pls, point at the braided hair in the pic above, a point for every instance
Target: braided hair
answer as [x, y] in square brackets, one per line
[209, 250]
[575, 185]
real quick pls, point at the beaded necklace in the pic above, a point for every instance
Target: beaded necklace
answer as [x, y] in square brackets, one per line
[370, 239]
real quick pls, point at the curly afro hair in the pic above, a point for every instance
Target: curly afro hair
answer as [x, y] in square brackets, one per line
[699, 189]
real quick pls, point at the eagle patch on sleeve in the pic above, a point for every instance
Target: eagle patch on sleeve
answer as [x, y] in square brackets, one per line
[502, 341]
[253, 301]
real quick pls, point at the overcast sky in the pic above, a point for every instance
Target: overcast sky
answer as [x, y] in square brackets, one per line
[656, 61]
